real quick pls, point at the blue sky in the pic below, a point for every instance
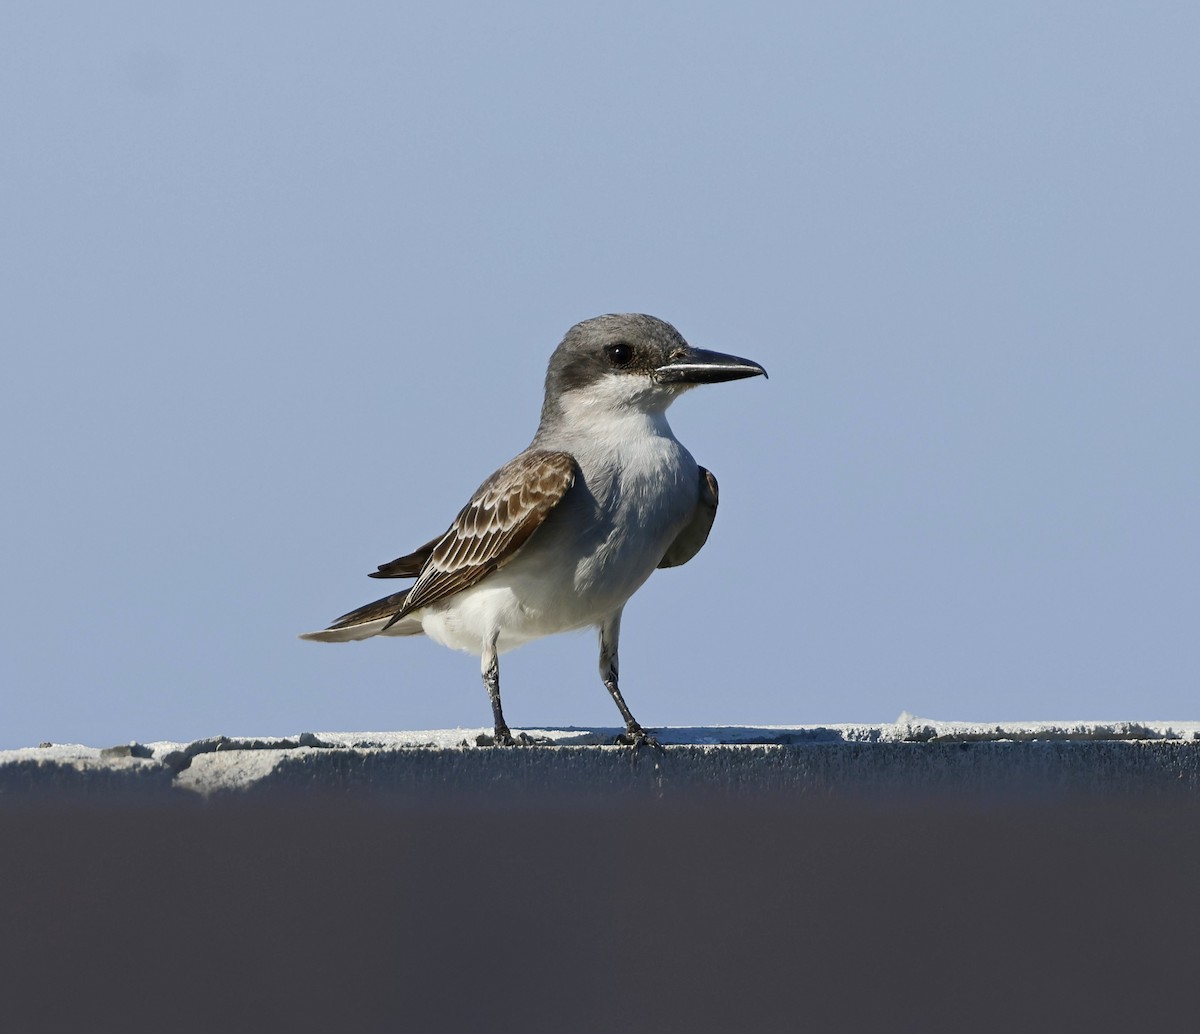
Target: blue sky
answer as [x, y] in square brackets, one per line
[281, 281]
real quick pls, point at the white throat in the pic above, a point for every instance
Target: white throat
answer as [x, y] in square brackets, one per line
[606, 413]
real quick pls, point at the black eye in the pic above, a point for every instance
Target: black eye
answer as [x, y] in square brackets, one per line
[620, 354]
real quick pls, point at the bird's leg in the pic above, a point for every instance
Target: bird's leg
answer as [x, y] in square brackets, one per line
[503, 737]
[491, 682]
[610, 634]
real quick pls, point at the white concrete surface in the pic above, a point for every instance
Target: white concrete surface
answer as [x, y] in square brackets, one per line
[909, 754]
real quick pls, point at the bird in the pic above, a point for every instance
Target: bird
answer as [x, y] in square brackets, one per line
[560, 537]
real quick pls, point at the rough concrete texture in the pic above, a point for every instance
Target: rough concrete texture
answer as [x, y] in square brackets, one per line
[909, 755]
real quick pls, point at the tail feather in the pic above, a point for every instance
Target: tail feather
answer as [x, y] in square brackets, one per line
[366, 621]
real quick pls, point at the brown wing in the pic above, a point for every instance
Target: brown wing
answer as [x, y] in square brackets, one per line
[407, 566]
[689, 541]
[383, 608]
[508, 508]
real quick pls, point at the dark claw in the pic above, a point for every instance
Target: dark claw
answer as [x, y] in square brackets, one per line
[504, 738]
[635, 736]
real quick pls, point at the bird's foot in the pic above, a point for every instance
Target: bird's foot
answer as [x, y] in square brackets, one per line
[635, 736]
[504, 738]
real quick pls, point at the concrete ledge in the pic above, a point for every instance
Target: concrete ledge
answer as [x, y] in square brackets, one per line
[909, 756]
[913, 876]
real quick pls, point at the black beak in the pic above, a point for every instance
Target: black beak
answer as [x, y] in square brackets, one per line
[698, 366]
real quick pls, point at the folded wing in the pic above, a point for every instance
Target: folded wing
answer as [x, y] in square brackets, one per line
[487, 533]
[695, 533]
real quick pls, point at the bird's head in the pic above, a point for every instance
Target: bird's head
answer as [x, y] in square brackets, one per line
[631, 361]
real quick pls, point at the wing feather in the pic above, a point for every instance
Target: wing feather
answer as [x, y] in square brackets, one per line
[407, 566]
[695, 533]
[383, 608]
[489, 531]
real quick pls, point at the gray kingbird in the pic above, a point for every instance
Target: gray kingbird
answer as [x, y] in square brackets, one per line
[563, 535]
